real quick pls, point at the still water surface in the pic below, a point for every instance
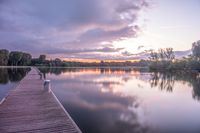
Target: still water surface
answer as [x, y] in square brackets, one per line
[128, 100]
[9, 77]
[121, 100]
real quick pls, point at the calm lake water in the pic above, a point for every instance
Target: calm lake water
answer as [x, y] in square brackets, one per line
[9, 77]
[129, 100]
[124, 100]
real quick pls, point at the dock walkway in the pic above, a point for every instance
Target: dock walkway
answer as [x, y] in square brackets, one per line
[31, 109]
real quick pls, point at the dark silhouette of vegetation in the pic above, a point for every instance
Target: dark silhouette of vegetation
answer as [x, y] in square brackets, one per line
[164, 60]
[4, 77]
[59, 63]
[196, 50]
[42, 58]
[25, 60]
[12, 74]
[161, 60]
[14, 58]
[165, 81]
[17, 58]
[4, 56]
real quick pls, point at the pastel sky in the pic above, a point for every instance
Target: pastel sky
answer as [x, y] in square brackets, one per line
[98, 29]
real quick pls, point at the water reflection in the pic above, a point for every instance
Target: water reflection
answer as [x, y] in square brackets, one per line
[58, 71]
[4, 77]
[9, 77]
[165, 81]
[12, 74]
[128, 100]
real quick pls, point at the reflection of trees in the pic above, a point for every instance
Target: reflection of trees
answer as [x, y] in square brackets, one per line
[194, 80]
[57, 70]
[60, 70]
[116, 70]
[16, 74]
[4, 78]
[196, 89]
[165, 81]
[12, 74]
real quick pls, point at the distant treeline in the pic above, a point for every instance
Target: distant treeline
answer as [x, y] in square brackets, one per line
[60, 63]
[161, 60]
[164, 59]
[17, 58]
[14, 58]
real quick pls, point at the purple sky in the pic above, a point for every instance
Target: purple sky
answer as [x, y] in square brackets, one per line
[96, 29]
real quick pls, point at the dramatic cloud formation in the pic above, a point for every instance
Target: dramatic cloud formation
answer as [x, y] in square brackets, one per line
[72, 28]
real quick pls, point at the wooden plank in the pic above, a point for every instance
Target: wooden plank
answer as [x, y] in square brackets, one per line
[31, 109]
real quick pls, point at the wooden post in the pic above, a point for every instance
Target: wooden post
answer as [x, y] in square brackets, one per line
[47, 85]
[40, 75]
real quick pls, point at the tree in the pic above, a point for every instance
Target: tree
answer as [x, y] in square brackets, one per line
[153, 56]
[196, 50]
[4, 56]
[42, 58]
[15, 57]
[162, 59]
[162, 55]
[25, 60]
[169, 54]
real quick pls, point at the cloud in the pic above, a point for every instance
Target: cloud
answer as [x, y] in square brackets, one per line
[126, 53]
[78, 51]
[36, 26]
[140, 47]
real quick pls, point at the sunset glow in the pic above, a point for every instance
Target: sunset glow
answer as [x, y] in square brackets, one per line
[71, 29]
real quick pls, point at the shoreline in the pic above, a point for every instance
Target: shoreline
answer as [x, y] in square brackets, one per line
[73, 67]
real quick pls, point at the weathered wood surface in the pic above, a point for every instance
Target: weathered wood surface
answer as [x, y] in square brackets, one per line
[31, 109]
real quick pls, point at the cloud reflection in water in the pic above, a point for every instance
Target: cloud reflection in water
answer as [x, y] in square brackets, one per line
[125, 101]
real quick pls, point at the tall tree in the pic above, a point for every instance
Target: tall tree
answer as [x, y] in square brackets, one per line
[153, 56]
[169, 54]
[196, 50]
[15, 57]
[4, 56]
[25, 60]
[162, 55]
[42, 58]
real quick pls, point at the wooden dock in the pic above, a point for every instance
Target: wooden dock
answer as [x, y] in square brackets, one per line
[29, 108]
